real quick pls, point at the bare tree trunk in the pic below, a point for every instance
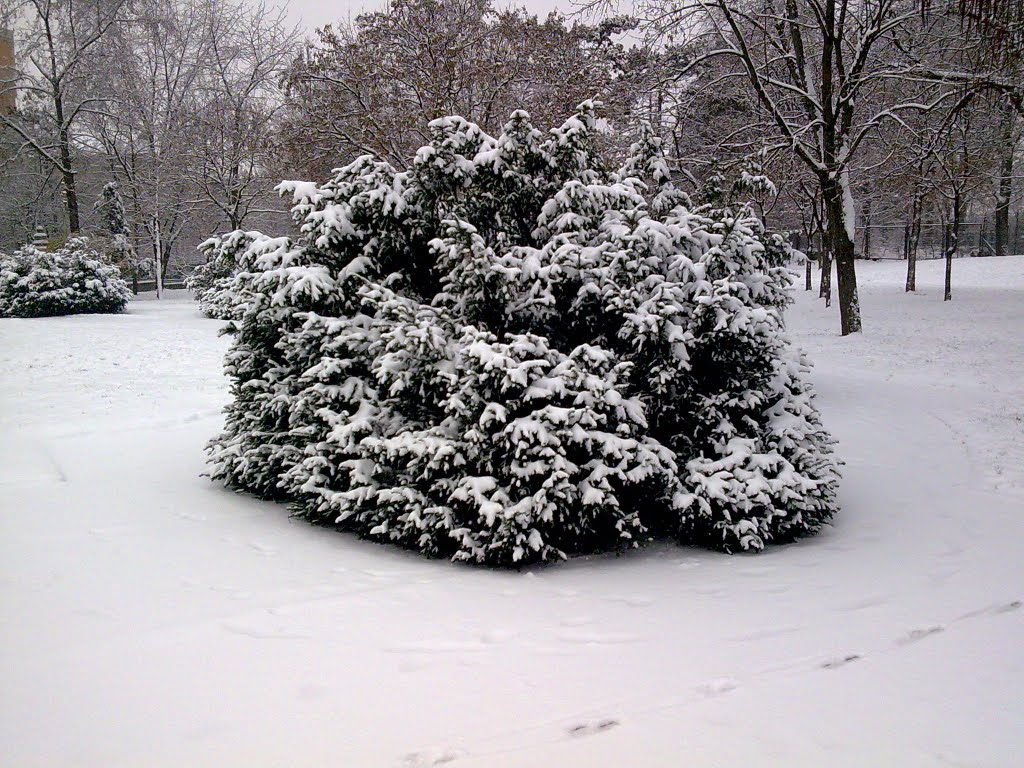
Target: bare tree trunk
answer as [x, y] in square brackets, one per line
[158, 259]
[825, 274]
[913, 238]
[1002, 217]
[71, 202]
[67, 171]
[867, 229]
[807, 272]
[840, 243]
[952, 244]
[167, 256]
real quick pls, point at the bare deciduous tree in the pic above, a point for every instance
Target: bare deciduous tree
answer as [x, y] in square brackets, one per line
[373, 86]
[242, 99]
[811, 65]
[192, 89]
[57, 41]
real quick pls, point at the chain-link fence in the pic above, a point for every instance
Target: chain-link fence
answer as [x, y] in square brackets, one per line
[975, 238]
[892, 241]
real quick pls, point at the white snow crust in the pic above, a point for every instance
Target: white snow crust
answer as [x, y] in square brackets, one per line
[153, 618]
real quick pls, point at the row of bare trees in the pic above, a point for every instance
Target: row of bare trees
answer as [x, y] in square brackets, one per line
[857, 109]
[373, 85]
[845, 103]
[177, 101]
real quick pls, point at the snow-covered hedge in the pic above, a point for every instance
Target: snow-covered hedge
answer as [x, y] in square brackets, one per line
[74, 279]
[510, 353]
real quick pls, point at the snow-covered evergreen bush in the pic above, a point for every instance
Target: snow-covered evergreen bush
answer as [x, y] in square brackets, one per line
[212, 282]
[74, 279]
[117, 243]
[510, 352]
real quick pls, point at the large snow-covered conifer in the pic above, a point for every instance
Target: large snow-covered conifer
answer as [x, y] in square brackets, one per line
[513, 352]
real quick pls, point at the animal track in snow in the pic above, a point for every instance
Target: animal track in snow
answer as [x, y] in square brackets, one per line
[841, 661]
[992, 610]
[756, 571]
[920, 634]
[687, 564]
[716, 687]
[633, 601]
[866, 602]
[1007, 607]
[598, 638]
[105, 533]
[437, 647]
[264, 628]
[591, 729]
[426, 759]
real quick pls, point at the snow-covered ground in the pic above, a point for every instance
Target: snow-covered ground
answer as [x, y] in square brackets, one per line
[151, 618]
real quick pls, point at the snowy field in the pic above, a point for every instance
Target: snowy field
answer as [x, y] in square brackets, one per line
[151, 618]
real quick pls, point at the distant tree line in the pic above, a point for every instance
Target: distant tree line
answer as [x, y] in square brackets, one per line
[859, 111]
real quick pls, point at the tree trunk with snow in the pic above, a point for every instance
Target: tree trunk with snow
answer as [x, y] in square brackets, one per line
[839, 222]
[825, 276]
[913, 238]
[1005, 184]
[67, 172]
[952, 244]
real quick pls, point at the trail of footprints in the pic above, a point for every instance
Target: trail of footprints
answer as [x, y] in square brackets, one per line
[722, 686]
[919, 634]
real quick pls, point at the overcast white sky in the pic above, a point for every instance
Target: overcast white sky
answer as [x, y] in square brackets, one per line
[315, 13]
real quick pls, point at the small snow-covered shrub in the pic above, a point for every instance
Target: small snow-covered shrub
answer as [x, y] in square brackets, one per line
[510, 352]
[74, 279]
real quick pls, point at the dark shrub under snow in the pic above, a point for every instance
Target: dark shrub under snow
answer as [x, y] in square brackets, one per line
[74, 279]
[511, 353]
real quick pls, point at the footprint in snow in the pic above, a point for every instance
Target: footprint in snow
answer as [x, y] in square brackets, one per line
[717, 687]
[920, 634]
[841, 661]
[862, 604]
[264, 628]
[598, 638]
[425, 759]
[1007, 607]
[633, 601]
[757, 571]
[312, 691]
[991, 610]
[591, 729]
